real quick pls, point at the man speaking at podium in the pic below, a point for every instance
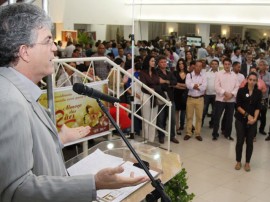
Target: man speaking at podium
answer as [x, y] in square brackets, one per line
[31, 161]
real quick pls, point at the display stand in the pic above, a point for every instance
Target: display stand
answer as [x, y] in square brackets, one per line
[167, 164]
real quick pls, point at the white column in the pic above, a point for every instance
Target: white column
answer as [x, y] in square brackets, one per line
[225, 31]
[127, 31]
[171, 27]
[203, 30]
[58, 30]
[141, 30]
[101, 31]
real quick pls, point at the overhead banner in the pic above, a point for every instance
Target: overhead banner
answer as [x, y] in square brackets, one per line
[76, 110]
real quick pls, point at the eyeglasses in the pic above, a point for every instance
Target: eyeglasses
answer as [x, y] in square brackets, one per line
[47, 43]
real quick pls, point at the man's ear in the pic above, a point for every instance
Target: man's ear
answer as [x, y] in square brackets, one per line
[24, 53]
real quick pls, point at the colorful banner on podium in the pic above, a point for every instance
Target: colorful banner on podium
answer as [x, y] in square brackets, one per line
[76, 110]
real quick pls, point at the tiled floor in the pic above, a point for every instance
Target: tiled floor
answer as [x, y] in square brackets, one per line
[210, 168]
[211, 173]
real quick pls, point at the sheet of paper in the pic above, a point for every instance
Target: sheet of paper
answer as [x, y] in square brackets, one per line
[93, 163]
[99, 160]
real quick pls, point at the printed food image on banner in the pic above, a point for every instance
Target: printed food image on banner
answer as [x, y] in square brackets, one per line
[76, 110]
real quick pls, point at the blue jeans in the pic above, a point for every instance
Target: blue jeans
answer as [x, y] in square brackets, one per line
[162, 118]
[126, 130]
[182, 118]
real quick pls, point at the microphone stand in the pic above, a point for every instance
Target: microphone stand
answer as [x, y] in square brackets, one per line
[157, 184]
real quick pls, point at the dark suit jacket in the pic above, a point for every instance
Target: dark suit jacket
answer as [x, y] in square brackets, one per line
[32, 166]
[244, 68]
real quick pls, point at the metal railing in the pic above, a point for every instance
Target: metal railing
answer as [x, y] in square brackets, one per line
[116, 88]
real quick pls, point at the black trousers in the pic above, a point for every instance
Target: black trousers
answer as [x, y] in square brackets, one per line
[162, 119]
[244, 132]
[262, 117]
[229, 110]
[209, 99]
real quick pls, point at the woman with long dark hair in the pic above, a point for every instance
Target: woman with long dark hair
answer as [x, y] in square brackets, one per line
[180, 94]
[188, 58]
[149, 77]
[248, 104]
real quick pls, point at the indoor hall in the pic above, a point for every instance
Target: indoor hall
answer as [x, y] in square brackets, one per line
[209, 164]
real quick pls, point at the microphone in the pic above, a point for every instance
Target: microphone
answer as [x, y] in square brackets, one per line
[90, 92]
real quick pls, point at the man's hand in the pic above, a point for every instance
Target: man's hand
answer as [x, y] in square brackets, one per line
[162, 81]
[196, 87]
[227, 96]
[108, 178]
[71, 134]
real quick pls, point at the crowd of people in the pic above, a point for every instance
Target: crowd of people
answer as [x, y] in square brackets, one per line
[231, 75]
[168, 67]
[193, 78]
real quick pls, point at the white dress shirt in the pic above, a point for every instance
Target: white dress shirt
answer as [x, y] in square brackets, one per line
[226, 82]
[210, 82]
[191, 80]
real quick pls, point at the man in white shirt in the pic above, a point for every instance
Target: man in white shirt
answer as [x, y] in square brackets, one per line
[121, 54]
[196, 84]
[221, 45]
[236, 57]
[211, 55]
[226, 86]
[210, 93]
[69, 49]
[183, 52]
[202, 52]
[240, 77]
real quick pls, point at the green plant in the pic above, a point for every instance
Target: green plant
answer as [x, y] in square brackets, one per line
[83, 38]
[177, 187]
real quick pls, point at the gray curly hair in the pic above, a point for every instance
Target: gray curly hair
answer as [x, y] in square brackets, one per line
[19, 24]
[264, 62]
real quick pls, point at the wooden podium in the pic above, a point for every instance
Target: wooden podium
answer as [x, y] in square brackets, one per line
[167, 164]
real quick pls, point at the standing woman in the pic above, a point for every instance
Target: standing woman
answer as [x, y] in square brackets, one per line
[149, 77]
[180, 94]
[189, 58]
[248, 104]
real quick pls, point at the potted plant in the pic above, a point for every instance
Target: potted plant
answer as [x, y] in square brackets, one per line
[177, 187]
